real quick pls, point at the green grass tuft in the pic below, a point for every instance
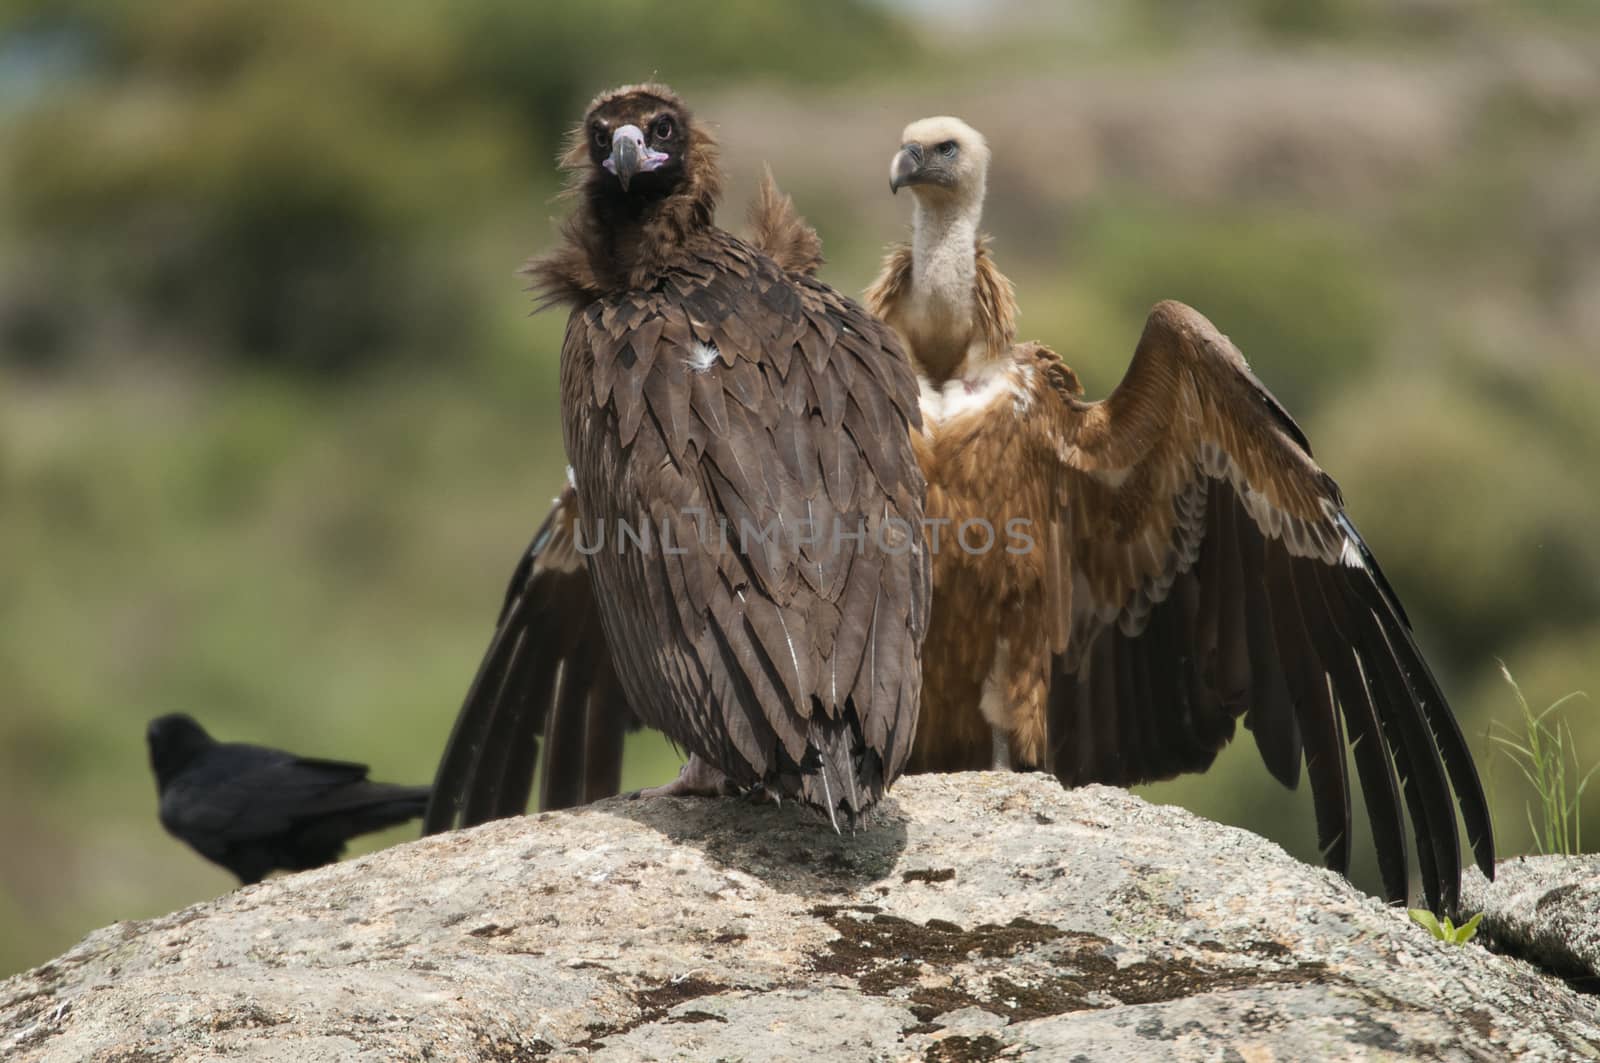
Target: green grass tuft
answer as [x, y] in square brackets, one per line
[1545, 751]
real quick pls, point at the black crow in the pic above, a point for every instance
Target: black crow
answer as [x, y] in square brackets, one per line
[253, 810]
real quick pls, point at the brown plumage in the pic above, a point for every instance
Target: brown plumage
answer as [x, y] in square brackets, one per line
[542, 681]
[705, 387]
[1188, 562]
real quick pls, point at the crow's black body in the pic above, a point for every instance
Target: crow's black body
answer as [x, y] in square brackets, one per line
[255, 810]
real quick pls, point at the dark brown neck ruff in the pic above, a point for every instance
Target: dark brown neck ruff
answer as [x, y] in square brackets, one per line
[614, 241]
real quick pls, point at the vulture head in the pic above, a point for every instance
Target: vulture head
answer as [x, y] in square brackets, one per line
[941, 159]
[639, 145]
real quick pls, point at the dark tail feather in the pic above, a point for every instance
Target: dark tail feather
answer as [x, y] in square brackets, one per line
[351, 811]
[377, 806]
[846, 779]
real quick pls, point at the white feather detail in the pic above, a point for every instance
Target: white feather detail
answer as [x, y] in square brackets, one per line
[702, 356]
[974, 393]
[1350, 556]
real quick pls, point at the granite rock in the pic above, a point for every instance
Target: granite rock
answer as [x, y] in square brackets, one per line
[979, 916]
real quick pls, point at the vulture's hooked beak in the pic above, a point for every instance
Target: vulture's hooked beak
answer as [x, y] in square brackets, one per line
[906, 166]
[630, 155]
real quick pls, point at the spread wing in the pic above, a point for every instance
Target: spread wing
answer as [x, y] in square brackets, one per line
[1215, 574]
[547, 673]
[744, 401]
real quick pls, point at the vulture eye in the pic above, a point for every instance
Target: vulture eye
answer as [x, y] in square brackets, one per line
[664, 128]
[947, 149]
[602, 137]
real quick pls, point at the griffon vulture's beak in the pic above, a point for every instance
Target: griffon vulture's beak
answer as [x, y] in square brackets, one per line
[906, 166]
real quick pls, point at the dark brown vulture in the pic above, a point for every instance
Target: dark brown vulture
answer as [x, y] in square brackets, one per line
[744, 505]
[1184, 562]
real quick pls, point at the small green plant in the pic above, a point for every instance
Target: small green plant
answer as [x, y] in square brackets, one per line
[1544, 751]
[1446, 931]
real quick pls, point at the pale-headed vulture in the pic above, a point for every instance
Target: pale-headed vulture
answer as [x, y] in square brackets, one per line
[1187, 562]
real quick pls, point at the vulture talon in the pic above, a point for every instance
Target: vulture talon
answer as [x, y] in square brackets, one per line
[695, 779]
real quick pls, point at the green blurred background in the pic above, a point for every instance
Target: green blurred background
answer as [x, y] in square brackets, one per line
[275, 422]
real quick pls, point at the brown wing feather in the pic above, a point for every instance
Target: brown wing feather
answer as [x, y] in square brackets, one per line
[745, 655]
[546, 673]
[1204, 540]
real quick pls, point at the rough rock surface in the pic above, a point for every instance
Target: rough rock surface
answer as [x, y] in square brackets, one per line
[980, 917]
[1545, 909]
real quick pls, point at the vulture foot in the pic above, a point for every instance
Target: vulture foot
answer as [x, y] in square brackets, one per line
[1000, 757]
[695, 779]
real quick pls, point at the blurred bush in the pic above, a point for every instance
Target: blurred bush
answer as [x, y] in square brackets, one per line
[288, 184]
[1288, 290]
[1484, 522]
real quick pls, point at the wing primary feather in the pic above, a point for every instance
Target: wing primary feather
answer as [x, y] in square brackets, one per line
[478, 716]
[1370, 563]
[1271, 716]
[528, 675]
[1213, 721]
[607, 722]
[1443, 726]
[562, 786]
[1140, 736]
[514, 784]
[1362, 719]
[1423, 771]
[1233, 672]
[1320, 730]
[1171, 668]
[1108, 760]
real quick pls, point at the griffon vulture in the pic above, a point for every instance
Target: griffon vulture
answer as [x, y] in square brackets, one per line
[742, 475]
[1187, 561]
